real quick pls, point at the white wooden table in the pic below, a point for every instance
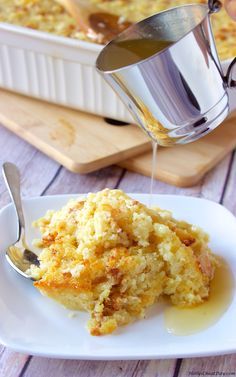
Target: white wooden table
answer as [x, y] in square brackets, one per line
[40, 176]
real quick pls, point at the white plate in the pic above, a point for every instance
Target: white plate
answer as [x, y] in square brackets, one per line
[36, 325]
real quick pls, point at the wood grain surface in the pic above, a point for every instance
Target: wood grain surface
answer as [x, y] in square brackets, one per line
[41, 175]
[185, 165]
[83, 142]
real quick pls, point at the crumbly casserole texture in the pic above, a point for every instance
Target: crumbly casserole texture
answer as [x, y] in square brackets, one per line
[49, 16]
[110, 255]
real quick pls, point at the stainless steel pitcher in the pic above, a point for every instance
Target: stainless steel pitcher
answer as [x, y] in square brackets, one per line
[178, 94]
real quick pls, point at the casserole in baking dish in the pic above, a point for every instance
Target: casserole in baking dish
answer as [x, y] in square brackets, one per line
[38, 59]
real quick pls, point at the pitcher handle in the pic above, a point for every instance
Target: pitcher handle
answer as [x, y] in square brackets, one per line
[228, 77]
[214, 6]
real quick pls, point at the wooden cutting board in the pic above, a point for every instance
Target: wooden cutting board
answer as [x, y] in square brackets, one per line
[81, 142]
[84, 143]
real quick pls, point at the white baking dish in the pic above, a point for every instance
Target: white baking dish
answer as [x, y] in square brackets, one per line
[59, 70]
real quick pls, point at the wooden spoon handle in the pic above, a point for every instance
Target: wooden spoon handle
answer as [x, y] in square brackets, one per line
[79, 12]
[98, 25]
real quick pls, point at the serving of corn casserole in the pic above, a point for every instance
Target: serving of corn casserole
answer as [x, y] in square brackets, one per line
[49, 16]
[113, 257]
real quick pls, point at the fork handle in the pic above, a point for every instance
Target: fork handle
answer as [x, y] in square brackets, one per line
[11, 176]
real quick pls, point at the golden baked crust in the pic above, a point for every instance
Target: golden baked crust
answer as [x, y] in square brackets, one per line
[48, 16]
[110, 255]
